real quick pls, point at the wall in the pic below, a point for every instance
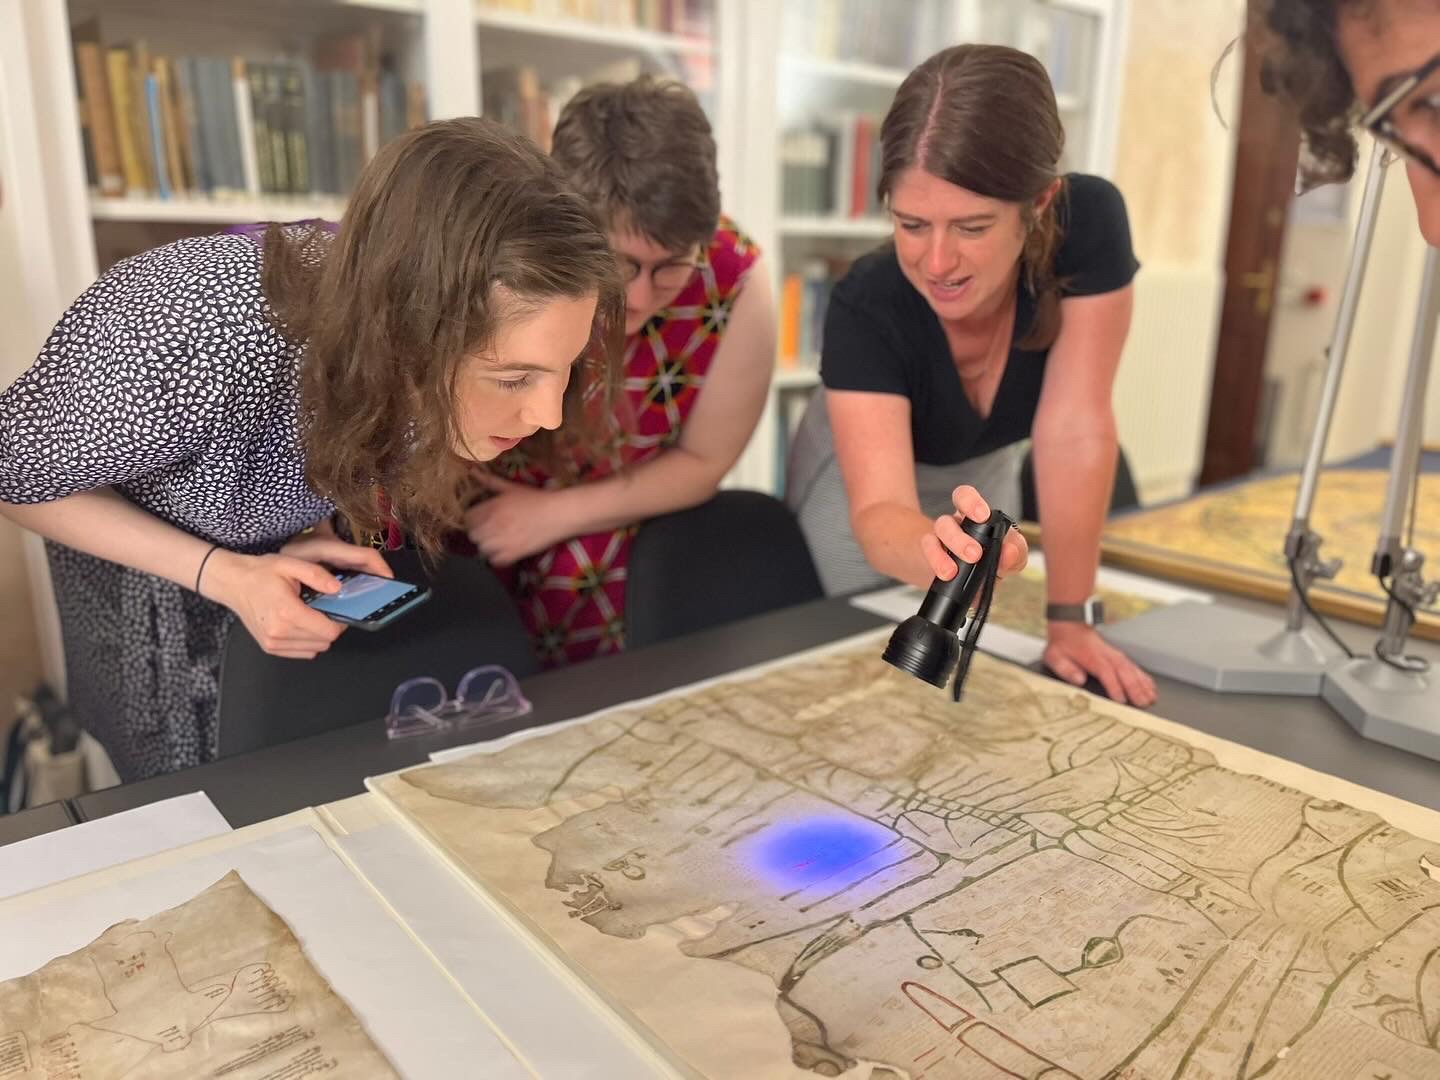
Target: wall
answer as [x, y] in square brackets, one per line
[1173, 163]
[1173, 153]
[1318, 252]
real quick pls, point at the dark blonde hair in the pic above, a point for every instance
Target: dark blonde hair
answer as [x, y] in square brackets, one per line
[407, 291]
[642, 152]
[983, 117]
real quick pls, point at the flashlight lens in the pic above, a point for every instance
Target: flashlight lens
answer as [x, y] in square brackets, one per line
[924, 650]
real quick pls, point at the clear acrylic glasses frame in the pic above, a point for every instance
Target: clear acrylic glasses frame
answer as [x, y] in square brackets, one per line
[485, 697]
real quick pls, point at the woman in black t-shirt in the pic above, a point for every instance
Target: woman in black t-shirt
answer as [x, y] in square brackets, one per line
[997, 315]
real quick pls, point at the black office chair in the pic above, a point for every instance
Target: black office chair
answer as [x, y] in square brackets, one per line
[740, 554]
[468, 621]
[1123, 497]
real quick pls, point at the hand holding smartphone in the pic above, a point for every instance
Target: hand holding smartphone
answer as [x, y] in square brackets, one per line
[366, 600]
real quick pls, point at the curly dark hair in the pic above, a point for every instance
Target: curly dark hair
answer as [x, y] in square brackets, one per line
[1303, 67]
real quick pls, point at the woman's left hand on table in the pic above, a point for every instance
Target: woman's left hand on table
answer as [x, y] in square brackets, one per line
[1076, 651]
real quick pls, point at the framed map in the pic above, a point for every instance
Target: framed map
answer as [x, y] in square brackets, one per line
[1232, 540]
[827, 868]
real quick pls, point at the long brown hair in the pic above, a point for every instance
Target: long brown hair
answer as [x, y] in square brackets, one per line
[390, 310]
[983, 117]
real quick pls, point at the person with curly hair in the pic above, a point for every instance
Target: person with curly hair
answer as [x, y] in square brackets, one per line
[1373, 64]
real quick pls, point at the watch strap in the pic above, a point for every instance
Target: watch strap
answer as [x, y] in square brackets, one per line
[1091, 612]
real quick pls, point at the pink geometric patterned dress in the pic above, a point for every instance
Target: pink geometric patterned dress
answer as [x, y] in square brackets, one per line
[572, 596]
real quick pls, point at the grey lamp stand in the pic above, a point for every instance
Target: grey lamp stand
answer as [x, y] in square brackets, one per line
[1225, 649]
[1381, 700]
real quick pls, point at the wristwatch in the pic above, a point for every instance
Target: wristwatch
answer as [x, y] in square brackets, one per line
[1091, 612]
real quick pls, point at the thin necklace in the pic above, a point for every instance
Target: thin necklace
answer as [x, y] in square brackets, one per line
[994, 359]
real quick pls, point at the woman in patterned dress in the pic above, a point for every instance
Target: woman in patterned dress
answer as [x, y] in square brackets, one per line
[206, 403]
[699, 352]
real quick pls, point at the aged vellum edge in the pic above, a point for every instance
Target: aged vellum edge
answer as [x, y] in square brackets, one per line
[217, 985]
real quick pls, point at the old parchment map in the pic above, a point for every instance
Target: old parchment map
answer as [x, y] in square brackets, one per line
[1019, 603]
[831, 867]
[1234, 537]
[217, 987]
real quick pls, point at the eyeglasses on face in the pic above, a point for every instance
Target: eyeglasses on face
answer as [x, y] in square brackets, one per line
[1406, 118]
[672, 275]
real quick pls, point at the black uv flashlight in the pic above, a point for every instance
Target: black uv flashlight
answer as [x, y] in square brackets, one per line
[927, 645]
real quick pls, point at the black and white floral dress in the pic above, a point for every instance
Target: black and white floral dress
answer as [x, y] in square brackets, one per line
[168, 381]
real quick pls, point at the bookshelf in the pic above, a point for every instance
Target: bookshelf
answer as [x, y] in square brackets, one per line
[535, 54]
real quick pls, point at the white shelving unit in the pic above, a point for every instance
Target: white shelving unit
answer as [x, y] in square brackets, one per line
[840, 227]
[854, 71]
[575, 31]
[213, 211]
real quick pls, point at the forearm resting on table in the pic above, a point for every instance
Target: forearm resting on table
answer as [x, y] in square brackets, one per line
[103, 523]
[1074, 475]
[675, 479]
[889, 535]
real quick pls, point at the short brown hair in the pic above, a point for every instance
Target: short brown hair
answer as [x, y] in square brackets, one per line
[642, 152]
[389, 312]
[983, 117]
[1303, 67]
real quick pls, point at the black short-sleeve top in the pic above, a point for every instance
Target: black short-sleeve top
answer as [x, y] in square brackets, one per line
[882, 335]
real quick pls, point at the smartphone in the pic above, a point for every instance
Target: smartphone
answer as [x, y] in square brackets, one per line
[366, 600]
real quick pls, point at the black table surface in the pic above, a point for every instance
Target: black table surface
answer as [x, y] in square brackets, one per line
[309, 772]
[36, 821]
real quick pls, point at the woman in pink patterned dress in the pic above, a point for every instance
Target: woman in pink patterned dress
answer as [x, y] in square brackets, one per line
[699, 352]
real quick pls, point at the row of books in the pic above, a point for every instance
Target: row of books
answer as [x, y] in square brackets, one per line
[804, 298]
[690, 18]
[185, 126]
[832, 166]
[517, 98]
[895, 33]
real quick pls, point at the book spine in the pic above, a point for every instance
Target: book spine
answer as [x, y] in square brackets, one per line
[104, 140]
[156, 125]
[369, 116]
[275, 128]
[139, 69]
[188, 102]
[245, 126]
[182, 180]
[117, 62]
[297, 146]
[320, 151]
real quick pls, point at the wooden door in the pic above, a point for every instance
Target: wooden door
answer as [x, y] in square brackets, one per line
[1266, 156]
